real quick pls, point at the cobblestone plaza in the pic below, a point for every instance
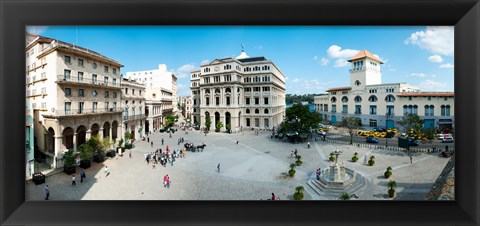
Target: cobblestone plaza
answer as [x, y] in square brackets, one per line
[250, 170]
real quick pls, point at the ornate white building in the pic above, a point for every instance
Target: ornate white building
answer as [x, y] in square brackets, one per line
[245, 92]
[75, 94]
[382, 105]
[133, 98]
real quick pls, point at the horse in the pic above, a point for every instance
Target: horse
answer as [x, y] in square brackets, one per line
[201, 147]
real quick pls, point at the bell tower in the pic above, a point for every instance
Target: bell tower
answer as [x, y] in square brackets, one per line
[364, 70]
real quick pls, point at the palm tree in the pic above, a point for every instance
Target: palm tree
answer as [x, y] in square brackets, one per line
[391, 191]
[345, 196]
[298, 195]
[299, 160]
[299, 189]
[292, 171]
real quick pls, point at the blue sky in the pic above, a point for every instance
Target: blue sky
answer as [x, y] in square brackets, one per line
[313, 58]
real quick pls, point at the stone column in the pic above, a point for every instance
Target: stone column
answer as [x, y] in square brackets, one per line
[88, 135]
[75, 142]
[110, 133]
[58, 149]
[100, 133]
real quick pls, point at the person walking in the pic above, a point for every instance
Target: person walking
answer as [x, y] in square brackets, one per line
[273, 196]
[107, 172]
[162, 141]
[434, 148]
[308, 144]
[47, 192]
[411, 159]
[73, 180]
[148, 139]
[82, 176]
[130, 154]
[237, 141]
[218, 168]
[151, 143]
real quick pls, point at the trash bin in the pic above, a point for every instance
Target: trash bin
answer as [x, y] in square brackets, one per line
[38, 178]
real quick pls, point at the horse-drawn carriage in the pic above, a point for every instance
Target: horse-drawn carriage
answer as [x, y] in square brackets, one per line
[191, 147]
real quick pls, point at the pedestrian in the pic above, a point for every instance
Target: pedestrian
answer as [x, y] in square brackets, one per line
[162, 141]
[170, 134]
[308, 144]
[446, 148]
[82, 176]
[151, 144]
[47, 192]
[237, 141]
[295, 152]
[73, 180]
[148, 139]
[218, 168]
[273, 196]
[411, 159]
[130, 154]
[434, 148]
[318, 174]
[107, 172]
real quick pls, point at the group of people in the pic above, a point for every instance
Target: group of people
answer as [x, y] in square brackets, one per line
[294, 153]
[83, 176]
[163, 157]
[166, 181]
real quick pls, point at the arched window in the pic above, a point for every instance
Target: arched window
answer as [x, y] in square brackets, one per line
[217, 90]
[257, 111]
[247, 111]
[344, 99]
[265, 111]
[357, 83]
[429, 110]
[373, 98]
[228, 90]
[389, 98]
[207, 91]
[358, 99]
[334, 99]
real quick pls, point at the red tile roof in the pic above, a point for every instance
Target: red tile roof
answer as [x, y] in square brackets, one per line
[339, 89]
[425, 94]
[363, 54]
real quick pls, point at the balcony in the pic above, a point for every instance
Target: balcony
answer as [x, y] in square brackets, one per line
[62, 79]
[390, 115]
[358, 112]
[81, 112]
[344, 112]
[134, 117]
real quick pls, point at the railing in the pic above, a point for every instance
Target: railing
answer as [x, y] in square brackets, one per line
[390, 115]
[358, 112]
[73, 47]
[83, 111]
[65, 78]
[133, 117]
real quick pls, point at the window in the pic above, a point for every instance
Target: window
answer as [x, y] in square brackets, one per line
[114, 105]
[373, 123]
[106, 106]
[80, 107]
[247, 100]
[256, 89]
[68, 92]
[373, 109]
[265, 100]
[126, 92]
[373, 98]
[257, 101]
[207, 101]
[266, 123]
[80, 62]
[409, 98]
[94, 106]
[133, 91]
[248, 89]
[228, 90]
[44, 105]
[257, 111]
[80, 76]
[390, 110]
[206, 69]
[247, 111]
[66, 75]
[107, 94]
[114, 94]
[140, 92]
[43, 75]
[266, 89]
[67, 59]
[358, 99]
[333, 99]
[228, 100]
[372, 91]
[344, 99]
[68, 107]
[265, 111]
[217, 90]
[94, 79]
[81, 92]
[445, 110]
[325, 107]
[206, 80]
[105, 69]
[344, 108]
[114, 70]
[257, 122]
[105, 80]
[247, 121]
[357, 83]
[217, 100]
[358, 109]
[390, 98]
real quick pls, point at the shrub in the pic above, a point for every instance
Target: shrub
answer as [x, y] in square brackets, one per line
[298, 195]
[391, 191]
[354, 158]
[345, 196]
[332, 158]
[371, 162]
[69, 158]
[299, 160]
[292, 171]
[388, 174]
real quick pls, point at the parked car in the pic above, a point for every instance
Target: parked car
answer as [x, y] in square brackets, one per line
[448, 140]
[412, 143]
[321, 132]
[372, 139]
[440, 136]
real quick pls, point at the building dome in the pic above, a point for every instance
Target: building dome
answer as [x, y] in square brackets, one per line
[242, 55]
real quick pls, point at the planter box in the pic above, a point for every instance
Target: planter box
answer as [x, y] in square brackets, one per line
[38, 178]
[98, 158]
[69, 169]
[85, 164]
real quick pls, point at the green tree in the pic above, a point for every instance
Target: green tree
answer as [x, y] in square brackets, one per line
[228, 127]
[300, 119]
[85, 151]
[298, 195]
[208, 123]
[170, 119]
[104, 145]
[218, 126]
[128, 136]
[351, 123]
[345, 196]
[411, 122]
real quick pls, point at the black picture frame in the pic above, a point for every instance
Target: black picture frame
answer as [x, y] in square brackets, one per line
[463, 14]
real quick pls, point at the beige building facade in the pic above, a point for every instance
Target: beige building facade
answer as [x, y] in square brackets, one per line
[245, 92]
[133, 98]
[75, 94]
[383, 105]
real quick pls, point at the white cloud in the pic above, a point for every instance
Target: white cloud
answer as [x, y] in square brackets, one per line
[205, 61]
[438, 40]
[446, 65]
[37, 30]
[434, 75]
[296, 80]
[184, 71]
[315, 57]
[420, 75]
[435, 59]
[341, 63]
[429, 85]
[335, 51]
[258, 47]
[324, 61]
